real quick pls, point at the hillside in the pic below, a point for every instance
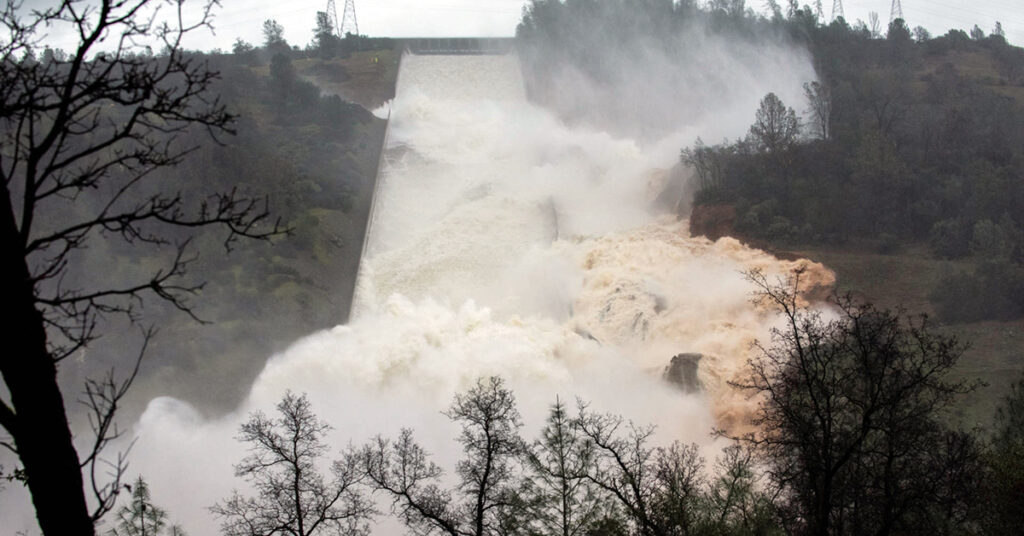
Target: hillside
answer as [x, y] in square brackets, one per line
[929, 220]
[366, 78]
[314, 157]
[901, 167]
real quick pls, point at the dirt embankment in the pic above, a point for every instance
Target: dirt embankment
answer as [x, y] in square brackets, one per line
[713, 221]
[365, 78]
[716, 221]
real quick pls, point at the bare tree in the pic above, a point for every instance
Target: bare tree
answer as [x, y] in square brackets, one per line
[848, 425]
[623, 469]
[403, 470]
[875, 25]
[736, 502]
[709, 163]
[819, 102]
[490, 440]
[293, 497]
[661, 490]
[79, 136]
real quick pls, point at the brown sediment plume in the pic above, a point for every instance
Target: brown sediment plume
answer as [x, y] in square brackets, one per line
[656, 291]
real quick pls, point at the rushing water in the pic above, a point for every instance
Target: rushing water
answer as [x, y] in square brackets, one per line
[502, 242]
[539, 242]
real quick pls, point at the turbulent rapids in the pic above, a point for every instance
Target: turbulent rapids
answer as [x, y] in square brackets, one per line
[503, 242]
[538, 242]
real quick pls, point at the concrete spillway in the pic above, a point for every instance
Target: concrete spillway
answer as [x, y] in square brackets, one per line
[487, 204]
[436, 225]
[503, 242]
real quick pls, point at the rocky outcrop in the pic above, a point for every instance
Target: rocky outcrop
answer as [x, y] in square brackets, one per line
[712, 221]
[682, 372]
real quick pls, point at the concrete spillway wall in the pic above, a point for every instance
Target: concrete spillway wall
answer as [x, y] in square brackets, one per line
[414, 47]
[374, 196]
[458, 45]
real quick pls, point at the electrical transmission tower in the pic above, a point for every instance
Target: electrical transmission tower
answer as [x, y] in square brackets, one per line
[819, 12]
[896, 12]
[348, 19]
[837, 9]
[332, 14]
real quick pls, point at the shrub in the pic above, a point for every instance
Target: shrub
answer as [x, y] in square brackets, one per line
[994, 292]
[949, 239]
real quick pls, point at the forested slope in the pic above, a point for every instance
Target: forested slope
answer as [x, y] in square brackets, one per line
[313, 156]
[902, 167]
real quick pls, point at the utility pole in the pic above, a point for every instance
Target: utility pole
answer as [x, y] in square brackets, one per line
[896, 12]
[349, 24]
[837, 9]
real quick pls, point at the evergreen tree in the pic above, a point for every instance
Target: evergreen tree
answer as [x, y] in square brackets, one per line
[563, 501]
[140, 517]
[327, 41]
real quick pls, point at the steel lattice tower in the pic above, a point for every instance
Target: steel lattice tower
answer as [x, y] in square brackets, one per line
[332, 15]
[837, 9]
[349, 23]
[819, 11]
[896, 12]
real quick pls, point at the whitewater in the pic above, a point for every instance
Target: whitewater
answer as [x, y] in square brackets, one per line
[503, 242]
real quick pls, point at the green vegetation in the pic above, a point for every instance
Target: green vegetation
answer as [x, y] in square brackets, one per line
[124, 186]
[1004, 489]
[851, 427]
[314, 156]
[85, 137]
[902, 150]
[905, 175]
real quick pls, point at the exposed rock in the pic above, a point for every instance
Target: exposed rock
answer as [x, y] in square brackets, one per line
[682, 372]
[712, 221]
[586, 334]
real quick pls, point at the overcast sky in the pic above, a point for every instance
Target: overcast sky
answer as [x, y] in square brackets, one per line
[431, 18]
[242, 18]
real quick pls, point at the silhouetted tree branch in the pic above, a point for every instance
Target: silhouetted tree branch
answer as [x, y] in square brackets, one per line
[81, 136]
[490, 440]
[848, 423]
[292, 496]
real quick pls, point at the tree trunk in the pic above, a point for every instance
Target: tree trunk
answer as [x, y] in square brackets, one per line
[39, 427]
